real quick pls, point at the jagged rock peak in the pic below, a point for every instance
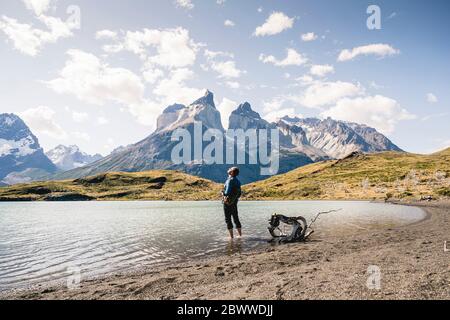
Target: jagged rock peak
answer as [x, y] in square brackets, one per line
[174, 108]
[207, 99]
[7, 119]
[290, 120]
[245, 109]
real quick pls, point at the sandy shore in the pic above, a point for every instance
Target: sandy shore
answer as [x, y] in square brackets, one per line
[411, 259]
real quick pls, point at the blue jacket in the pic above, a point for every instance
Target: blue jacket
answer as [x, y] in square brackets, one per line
[232, 188]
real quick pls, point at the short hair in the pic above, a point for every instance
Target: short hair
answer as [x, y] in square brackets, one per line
[234, 169]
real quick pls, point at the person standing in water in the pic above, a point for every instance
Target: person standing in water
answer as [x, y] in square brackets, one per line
[231, 194]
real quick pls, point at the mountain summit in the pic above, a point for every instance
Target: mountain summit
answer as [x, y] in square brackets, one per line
[245, 118]
[207, 99]
[202, 109]
[20, 151]
[66, 158]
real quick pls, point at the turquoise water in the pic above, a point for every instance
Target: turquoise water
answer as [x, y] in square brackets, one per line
[43, 241]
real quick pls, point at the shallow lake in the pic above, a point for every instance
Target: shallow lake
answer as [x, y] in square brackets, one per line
[47, 241]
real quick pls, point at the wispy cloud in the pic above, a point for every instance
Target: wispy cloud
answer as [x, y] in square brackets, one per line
[293, 58]
[379, 49]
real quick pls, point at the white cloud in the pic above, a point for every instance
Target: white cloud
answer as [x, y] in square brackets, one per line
[225, 107]
[186, 4]
[320, 94]
[106, 34]
[41, 120]
[274, 104]
[102, 120]
[392, 15]
[260, 9]
[274, 109]
[209, 54]
[152, 75]
[29, 40]
[81, 136]
[305, 80]
[226, 69]
[321, 70]
[174, 47]
[38, 6]
[233, 84]
[79, 116]
[229, 23]
[173, 88]
[293, 58]
[310, 36]
[379, 49]
[431, 98]
[375, 85]
[219, 61]
[435, 115]
[275, 115]
[167, 55]
[277, 22]
[93, 81]
[380, 112]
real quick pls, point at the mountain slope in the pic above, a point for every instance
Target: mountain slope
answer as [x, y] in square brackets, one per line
[20, 151]
[155, 151]
[361, 176]
[70, 157]
[150, 185]
[302, 141]
[358, 177]
[337, 138]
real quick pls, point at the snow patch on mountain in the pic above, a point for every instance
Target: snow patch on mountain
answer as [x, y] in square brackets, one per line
[70, 157]
[20, 150]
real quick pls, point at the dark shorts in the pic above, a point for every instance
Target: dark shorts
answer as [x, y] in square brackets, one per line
[231, 211]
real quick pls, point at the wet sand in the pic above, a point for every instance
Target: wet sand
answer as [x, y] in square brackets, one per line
[411, 260]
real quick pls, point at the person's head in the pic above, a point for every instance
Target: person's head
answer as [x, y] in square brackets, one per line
[234, 171]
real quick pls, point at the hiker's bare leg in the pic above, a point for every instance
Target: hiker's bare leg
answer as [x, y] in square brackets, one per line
[231, 233]
[239, 232]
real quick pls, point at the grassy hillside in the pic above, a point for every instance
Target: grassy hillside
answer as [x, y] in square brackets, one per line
[149, 185]
[362, 176]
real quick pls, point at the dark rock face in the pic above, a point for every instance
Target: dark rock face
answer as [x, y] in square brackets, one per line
[19, 148]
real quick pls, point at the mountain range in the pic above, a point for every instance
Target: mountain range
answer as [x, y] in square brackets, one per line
[22, 159]
[70, 157]
[302, 141]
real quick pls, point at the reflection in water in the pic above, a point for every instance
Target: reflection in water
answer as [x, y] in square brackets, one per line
[234, 246]
[41, 241]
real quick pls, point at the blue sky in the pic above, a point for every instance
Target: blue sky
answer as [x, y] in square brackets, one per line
[97, 74]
